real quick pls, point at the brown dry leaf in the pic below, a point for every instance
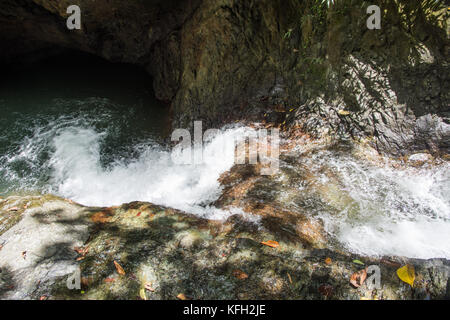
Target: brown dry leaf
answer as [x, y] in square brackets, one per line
[182, 296]
[391, 263]
[81, 250]
[271, 243]
[289, 277]
[353, 280]
[80, 258]
[328, 261]
[148, 286]
[102, 216]
[119, 268]
[240, 274]
[363, 276]
[357, 279]
[109, 280]
[13, 209]
[43, 298]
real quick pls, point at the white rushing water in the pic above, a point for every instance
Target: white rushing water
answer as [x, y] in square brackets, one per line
[152, 177]
[399, 212]
[66, 157]
[386, 211]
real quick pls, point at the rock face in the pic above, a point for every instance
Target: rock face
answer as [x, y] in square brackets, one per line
[143, 251]
[219, 60]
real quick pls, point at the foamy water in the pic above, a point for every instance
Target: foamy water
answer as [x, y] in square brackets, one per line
[381, 210]
[388, 211]
[75, 170]
[153, 176]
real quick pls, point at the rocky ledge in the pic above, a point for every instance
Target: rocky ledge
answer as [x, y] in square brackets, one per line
[143, 251]
[222, 60]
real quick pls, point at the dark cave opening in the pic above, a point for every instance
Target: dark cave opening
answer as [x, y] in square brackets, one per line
[73, 74]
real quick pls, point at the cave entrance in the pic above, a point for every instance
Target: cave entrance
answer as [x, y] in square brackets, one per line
[73, 81]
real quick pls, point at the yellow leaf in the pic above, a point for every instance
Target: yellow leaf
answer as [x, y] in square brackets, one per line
[343, 112]
[271, 243]
[142, 294]
[182, 296]
[407, 274]
[119, 268]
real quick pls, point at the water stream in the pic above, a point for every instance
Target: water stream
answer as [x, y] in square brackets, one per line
[99, 141]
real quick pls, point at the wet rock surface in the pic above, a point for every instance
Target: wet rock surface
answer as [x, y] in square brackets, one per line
[222, 60]
[143, 251]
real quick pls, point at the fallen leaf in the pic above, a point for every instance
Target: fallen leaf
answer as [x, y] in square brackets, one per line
[25, 206]
[142, 294]
[119, 268]
[102, 217]
[407, 274]
[43, 298]
[148, 286]
[328, 261]
[271, 243]
[358, 262]
[181, 296]
[363, 276]
[391, 263]
[289, 277]
[109, 280]
[138, 214]
[81, 250]
[343, 112]
[13, 209]
[240, 274]
[80, 258]
[357, 279]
